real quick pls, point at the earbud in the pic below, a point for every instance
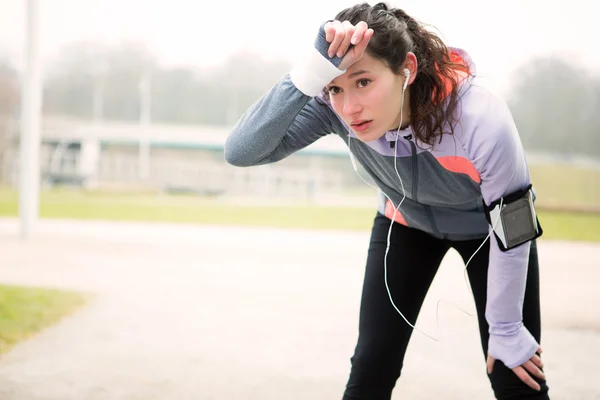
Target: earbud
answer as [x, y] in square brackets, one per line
[406, 72]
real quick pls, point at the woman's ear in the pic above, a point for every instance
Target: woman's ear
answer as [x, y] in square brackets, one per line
[412, 64]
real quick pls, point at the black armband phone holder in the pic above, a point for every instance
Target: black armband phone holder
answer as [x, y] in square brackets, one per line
[516, 222]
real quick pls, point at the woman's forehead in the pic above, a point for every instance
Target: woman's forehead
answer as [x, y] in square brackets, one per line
[367, 64]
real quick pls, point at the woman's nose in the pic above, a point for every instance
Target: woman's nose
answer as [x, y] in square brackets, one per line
[351, 105]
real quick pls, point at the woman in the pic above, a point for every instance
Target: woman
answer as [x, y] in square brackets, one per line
[447, 159]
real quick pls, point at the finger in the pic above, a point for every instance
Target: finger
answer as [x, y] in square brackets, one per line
[537, 361]
[534, 370]
[359, 32]
[329, 31]
[539, 350]
[526, 378]
[360, 48]
[490, 364]
[348, 33]
[339, 36]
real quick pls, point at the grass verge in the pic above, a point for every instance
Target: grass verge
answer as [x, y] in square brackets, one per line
[25, 311]
[190, 209]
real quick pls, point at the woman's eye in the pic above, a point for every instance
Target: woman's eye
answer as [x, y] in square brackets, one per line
[363, 82]
[334, 90]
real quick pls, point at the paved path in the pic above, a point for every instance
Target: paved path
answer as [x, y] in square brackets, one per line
[192, 312]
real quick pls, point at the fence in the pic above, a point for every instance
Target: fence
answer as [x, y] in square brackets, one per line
[205, 176]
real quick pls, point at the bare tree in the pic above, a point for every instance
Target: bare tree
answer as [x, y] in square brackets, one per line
[555, 105]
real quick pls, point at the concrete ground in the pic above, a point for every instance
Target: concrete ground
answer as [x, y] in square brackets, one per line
[199, 312]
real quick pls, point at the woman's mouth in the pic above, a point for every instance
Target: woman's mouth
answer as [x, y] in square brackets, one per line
[361, 125]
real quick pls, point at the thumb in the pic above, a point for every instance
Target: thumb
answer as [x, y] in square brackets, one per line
[490, 364]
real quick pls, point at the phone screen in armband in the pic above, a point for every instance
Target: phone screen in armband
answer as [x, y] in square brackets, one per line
[516, 222]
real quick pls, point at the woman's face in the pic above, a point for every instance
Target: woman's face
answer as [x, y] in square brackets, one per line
[368, 97]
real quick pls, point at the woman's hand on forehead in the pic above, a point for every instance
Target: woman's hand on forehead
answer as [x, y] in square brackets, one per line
[347, 41]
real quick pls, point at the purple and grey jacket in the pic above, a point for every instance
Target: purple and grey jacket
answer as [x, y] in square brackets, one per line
[445, 186]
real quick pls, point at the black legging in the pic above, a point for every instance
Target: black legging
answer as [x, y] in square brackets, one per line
[413, 260]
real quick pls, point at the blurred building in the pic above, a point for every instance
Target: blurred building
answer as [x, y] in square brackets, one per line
[176, 159]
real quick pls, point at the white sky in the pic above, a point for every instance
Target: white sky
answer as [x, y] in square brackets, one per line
[203, 32]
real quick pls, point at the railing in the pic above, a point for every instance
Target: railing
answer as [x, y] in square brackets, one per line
[169, 173]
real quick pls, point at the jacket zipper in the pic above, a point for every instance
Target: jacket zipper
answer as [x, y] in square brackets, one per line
[415, 177]
[415, 183]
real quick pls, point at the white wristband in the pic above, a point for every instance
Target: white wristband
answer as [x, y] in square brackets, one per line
[314, 72]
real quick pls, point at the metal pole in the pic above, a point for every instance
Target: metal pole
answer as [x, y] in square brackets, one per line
[145, 121]
[31, 104]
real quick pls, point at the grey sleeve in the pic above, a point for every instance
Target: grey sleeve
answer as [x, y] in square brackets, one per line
[290, 116]
[282, 122]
